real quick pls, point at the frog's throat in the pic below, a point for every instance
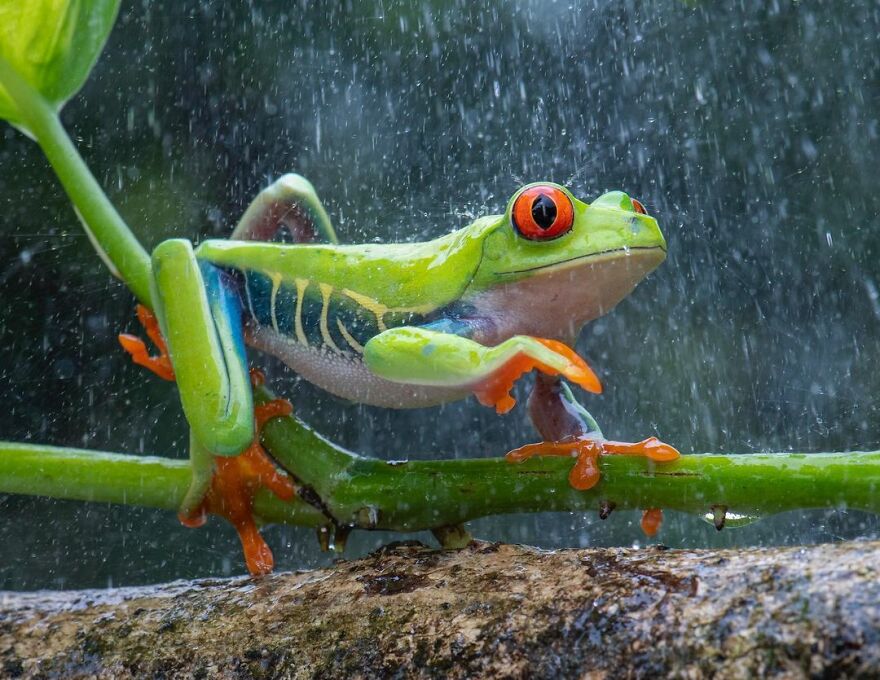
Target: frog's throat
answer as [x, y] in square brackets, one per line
[556, 300]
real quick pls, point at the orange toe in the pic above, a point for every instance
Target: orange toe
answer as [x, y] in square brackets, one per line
[271, 409]
[585, 472]
[651, 447]
[257, 554]
[151, 325]
[258, 378]
[495, 390]
[137, 349]
[194, 519]
[578, 371]
[652, 518]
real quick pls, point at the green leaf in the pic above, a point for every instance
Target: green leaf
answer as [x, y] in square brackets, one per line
[52, 45]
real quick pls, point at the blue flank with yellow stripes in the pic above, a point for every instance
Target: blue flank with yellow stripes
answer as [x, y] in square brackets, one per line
[349, 325]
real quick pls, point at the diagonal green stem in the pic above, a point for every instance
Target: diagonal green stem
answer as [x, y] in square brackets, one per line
[108, 232]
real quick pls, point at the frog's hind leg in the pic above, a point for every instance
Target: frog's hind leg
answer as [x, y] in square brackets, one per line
[292, 202]
[200, 317]
[199, 314]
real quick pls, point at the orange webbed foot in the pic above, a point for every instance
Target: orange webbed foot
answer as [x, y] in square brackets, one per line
[586, 451]
[495, 390]
[236, 481]
[161, 364]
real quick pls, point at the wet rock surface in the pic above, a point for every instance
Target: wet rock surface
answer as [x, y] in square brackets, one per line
[487, 610]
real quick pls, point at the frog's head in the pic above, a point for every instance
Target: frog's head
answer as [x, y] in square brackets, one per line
[552, 262]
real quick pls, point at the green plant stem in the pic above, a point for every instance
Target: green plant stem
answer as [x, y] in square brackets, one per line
[149, 481]
[409, 496]
[427, 494]
[108, 231]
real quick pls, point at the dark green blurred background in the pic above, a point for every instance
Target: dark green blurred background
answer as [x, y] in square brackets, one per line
[750, 130]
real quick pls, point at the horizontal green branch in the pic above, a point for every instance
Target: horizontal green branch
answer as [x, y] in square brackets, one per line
[149, 481]
[416, 495]
[427, 494]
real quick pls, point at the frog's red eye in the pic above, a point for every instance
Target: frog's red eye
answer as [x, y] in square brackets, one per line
[542, 212]
[638, 207]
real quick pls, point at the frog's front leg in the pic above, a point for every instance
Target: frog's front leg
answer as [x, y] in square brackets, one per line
[199, 315]
[423, 355]
[568, 429]
[292, 202]
[443, 354]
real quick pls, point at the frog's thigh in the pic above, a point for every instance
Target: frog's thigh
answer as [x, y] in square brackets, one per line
[200, 316]
[421, 356]
[291, 201]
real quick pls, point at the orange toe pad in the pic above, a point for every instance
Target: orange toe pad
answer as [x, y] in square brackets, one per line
[652, 518]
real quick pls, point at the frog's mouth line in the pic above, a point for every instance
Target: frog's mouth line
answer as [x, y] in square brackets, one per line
[583, 257]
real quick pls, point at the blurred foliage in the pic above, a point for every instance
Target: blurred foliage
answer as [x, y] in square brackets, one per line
[750, 129]
[52, 44]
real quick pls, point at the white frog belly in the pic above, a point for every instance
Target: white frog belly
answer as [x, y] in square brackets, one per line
[346, 376]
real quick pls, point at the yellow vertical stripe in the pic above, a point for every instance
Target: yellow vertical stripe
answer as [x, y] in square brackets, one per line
[370, 304]
[326, 290]
[349, 338]
[301, 285]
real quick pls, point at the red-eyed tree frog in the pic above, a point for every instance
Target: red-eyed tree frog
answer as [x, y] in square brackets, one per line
[402, 325]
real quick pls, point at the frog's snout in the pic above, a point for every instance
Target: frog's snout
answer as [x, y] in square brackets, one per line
[646, 232]
[635, 227]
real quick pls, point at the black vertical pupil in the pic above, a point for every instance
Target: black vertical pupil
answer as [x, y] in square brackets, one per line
[544, 211]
